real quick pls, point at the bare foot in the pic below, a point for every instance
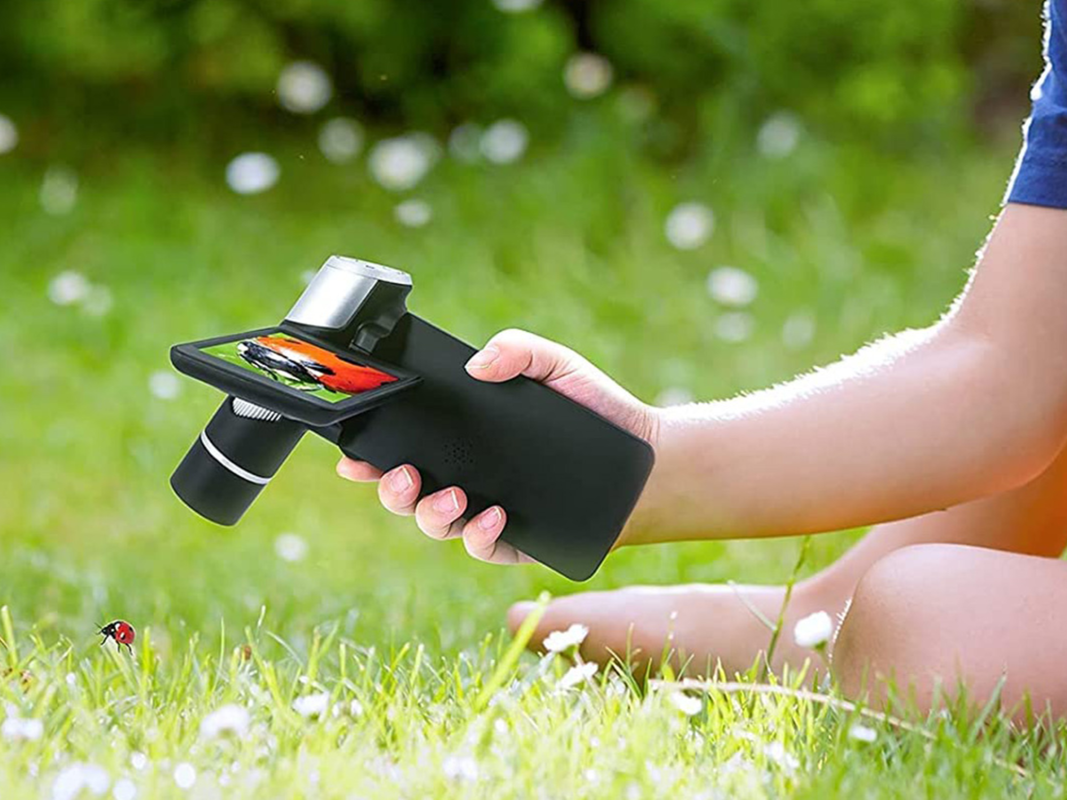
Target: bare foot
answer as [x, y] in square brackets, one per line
[699, 625]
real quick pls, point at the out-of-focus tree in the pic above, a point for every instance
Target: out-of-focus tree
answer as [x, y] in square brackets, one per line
[899, 69]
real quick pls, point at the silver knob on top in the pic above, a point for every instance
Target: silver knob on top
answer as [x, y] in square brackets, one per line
[358, 299]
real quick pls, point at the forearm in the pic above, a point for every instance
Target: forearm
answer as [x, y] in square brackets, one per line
[922, 421]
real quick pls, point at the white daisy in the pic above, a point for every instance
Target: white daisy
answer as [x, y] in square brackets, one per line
[312, 705]
[813, 630]
[685, 703]
[862, 733]
[558, 641]
[16, 729]
[79, 777]
[460, 768]
[185, 775]
[577, 674]
[777, 754]
[125, 789]
[227, 719]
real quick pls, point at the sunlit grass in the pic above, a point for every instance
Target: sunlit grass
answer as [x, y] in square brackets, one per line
[341, 719]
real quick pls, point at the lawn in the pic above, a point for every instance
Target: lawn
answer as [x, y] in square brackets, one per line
[354, 657]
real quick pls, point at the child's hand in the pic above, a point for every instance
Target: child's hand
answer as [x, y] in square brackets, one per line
[507, 355]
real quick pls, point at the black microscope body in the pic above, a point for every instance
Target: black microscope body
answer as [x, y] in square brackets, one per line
[567, 478]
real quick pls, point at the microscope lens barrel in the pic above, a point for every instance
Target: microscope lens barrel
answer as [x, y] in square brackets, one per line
[233, 459]
[351, 303]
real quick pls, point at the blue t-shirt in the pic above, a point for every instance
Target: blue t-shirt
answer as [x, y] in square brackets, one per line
[1041, 173]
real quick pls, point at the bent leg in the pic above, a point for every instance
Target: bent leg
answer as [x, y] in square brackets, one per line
[932, 616]
[708, 625]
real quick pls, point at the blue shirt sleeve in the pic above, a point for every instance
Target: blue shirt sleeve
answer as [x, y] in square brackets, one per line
[1040, 176]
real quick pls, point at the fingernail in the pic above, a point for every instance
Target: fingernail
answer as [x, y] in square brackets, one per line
[400, 481]
[447, 503]
[490, 519]
[483, 358]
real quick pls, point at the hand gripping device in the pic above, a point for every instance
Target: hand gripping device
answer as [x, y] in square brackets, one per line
[353, 365]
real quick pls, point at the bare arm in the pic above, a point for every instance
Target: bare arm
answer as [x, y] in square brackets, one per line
[974, 404]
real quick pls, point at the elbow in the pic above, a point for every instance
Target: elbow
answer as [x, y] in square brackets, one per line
[1023, 409]
[1033, 446]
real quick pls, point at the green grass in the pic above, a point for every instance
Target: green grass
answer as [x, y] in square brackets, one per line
[570, 244]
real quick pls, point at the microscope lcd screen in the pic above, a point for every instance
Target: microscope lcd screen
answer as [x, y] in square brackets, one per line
[301, 365]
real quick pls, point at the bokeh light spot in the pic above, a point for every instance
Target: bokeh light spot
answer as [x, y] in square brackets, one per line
[164, 385]
[252, 173]
[778, 136]
[735, 327]
[59, 191]
[798, 330]
[304, 87]
[401, 162]
[9, 135]
[516, 6]
[505, 141]
[587, 75]
[341, 139]
[731, 286]
[689, 225]
[413, 213]
[68, 287]
[464, 143]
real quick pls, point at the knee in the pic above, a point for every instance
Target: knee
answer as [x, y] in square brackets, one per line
[885, 620]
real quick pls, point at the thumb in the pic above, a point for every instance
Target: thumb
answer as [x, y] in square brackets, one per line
[513, 352]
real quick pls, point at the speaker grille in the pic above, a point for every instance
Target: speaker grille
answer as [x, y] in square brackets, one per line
[459, 453]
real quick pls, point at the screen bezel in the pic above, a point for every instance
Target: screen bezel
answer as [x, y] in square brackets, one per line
[190, 359]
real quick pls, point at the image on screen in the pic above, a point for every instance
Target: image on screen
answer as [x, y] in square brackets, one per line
[301, 365]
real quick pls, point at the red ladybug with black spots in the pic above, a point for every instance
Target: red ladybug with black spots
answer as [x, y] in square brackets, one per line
[122, 632]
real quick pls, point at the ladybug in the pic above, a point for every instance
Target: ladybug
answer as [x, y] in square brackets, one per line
[121, 632]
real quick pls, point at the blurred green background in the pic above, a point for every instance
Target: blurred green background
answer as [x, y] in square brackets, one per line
[703, 197]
